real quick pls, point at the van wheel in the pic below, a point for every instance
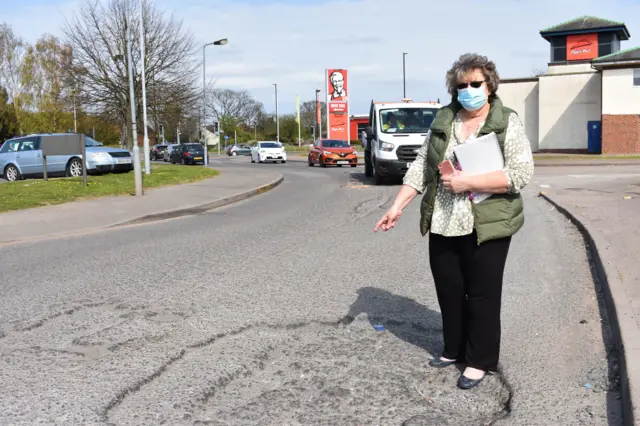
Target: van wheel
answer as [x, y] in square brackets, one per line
[74, 168]
[11, 173]
[378, 180]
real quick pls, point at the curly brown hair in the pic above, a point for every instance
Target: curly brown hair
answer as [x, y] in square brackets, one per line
[468, 62]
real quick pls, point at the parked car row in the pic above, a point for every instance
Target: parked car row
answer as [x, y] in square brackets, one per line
[21, 157]
[185, 153]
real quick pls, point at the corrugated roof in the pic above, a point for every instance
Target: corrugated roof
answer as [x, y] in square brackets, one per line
[586, 23]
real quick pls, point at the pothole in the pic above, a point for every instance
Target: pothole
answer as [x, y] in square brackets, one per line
[316, 373]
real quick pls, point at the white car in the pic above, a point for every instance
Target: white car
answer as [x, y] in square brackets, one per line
[268, 151]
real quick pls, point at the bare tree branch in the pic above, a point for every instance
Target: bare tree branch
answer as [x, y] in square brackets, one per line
[97, 35]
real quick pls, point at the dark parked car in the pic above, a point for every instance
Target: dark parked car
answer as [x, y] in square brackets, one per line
[157, 152]
[187, 153]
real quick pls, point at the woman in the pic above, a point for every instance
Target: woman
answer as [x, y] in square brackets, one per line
[468, 243]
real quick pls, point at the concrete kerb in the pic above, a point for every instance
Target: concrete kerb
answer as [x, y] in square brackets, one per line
[621, 316]
[193, 210]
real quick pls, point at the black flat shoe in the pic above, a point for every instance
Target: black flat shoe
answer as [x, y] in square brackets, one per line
[438, 363]
[467, 383]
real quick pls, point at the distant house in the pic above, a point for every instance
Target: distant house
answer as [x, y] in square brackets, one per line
[589, 99]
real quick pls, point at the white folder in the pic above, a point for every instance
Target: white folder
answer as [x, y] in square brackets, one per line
[478, 156]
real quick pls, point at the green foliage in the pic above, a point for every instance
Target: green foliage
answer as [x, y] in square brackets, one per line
[8, 120]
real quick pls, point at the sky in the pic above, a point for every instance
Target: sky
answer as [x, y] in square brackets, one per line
[292, 42]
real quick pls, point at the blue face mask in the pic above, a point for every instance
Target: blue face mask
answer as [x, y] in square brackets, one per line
[471, 98]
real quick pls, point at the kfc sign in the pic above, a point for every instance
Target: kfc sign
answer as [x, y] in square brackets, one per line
[337, 104]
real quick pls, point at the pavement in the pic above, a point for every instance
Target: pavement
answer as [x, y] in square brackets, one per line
[156, 204]
[287, 309]
[606, 210]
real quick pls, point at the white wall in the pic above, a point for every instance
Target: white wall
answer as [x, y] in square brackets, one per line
[619, 96]
[566, 103]
[569, 68]
[522, 97]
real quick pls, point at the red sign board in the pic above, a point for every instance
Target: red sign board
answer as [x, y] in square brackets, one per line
[337, 102]
[338, 107]
[582, 47]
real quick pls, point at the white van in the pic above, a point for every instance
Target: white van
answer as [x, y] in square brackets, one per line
[395, 133]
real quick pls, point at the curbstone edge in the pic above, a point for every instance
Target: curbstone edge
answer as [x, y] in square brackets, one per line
[189, 211]
[624, 328]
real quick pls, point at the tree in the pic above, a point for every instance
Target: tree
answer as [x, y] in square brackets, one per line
[8, 121]
[308, 115]
[230, 104]
[97, 36]
[12, 54]
[538, 71]
[47, 82]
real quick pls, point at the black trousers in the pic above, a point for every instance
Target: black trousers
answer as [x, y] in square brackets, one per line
[468, 279]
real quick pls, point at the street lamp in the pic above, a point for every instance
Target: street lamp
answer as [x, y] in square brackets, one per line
[147, 159]
[277, 119]
[220, 42]
[137, 173]
[404, 83]
[318, 114]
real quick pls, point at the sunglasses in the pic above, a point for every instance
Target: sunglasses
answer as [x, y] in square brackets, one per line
[474, 84]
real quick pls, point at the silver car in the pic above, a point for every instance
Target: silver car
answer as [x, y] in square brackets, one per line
[166, 154]
[22, 157]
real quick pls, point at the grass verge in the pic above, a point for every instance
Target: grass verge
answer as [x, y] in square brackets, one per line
[36, 192]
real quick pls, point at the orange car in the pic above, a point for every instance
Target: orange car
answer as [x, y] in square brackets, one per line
[332, 152]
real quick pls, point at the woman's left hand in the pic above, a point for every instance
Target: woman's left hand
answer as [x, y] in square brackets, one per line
[457, 182]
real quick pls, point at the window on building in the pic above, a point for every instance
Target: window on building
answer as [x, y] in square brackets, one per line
[559, 49]
[636, 77]
[608, 43]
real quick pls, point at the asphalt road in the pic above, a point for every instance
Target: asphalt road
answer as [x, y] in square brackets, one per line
[262, 313]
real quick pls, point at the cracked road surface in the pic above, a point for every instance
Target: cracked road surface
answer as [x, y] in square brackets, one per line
[263, 313]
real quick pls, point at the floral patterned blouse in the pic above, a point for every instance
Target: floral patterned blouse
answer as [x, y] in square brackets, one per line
[452, 214]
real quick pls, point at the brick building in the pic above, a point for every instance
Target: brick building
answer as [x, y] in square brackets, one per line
[589, 99]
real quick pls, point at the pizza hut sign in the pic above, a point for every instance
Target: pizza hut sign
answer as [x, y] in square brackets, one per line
[582, 47]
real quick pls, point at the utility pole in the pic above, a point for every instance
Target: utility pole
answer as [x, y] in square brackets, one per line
[75, 126]
[277, 118]
[318, 114]
[137, 173]
[147, 159]
[404, 81]
[220, 42]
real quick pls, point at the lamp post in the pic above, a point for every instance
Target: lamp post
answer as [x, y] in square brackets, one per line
[220, 42]
[147, 159]
[277, 118]
[318, 113]
[137, 173]
[404, 82]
